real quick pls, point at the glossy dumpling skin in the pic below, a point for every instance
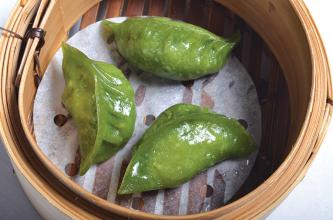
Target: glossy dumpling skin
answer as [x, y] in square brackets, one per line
[182, 142]
[168, 48]
[101, 102]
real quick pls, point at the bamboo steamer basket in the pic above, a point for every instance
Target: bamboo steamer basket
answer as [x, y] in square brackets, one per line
[293, 82]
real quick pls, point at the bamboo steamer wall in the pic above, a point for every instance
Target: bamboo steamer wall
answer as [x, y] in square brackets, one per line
[280, 48]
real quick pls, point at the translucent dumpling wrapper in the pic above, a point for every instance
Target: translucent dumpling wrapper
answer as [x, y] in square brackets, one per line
[170, 49]
[183, 141]
[101, 102]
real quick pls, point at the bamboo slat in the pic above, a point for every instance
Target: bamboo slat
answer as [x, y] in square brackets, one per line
[134, 8]
[114, 9]
[156, 7]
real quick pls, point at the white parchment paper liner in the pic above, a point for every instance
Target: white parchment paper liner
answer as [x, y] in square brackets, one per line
[230, 92]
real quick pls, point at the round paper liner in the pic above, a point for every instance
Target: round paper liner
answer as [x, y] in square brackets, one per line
[230, 92]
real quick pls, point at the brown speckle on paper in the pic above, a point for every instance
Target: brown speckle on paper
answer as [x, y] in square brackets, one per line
[140, 95]
[197, 194]
[103, 178]
[206, 100]
[149, 119]
[60, 120]
[149, 201]
[71, 169]
[171, 201]
[217, 199]
[187, 96]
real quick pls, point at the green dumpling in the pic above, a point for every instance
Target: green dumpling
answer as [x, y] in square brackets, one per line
[182, 142]
[101, 102]
[168, 48]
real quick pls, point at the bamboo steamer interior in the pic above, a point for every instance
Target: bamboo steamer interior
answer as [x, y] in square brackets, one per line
[280, 48]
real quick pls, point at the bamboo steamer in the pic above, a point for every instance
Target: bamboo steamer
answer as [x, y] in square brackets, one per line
[281, 49]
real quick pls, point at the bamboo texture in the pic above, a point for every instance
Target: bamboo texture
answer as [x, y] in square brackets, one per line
[296, 95]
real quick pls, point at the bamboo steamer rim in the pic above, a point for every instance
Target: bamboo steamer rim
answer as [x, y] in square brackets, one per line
[317, 49]
[126, 209]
